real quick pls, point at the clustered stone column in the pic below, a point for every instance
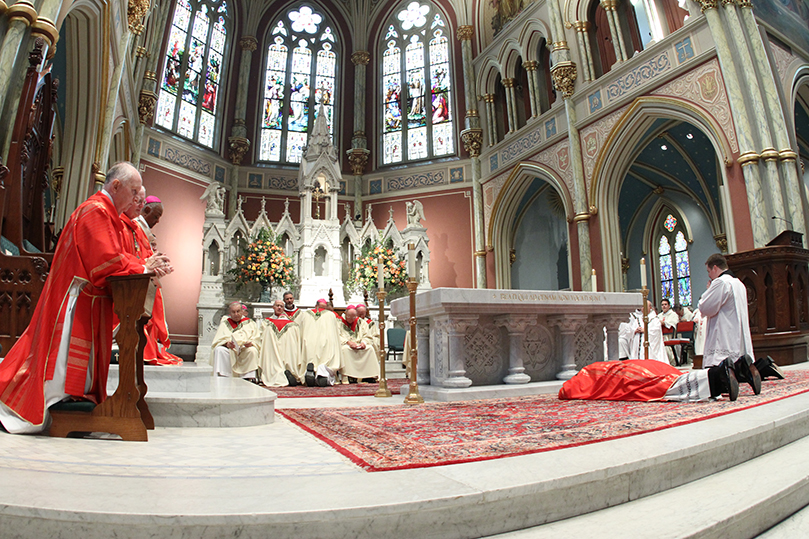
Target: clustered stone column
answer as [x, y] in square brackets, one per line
[472, 137]
[423, 339]
[238, 143]
[511, 104]
[457, 327]
[491, 118]
[359, 153]
[588, 70]
[533, 86]
[515, 325]
[615, 29]
[568, 325]
[611, 322]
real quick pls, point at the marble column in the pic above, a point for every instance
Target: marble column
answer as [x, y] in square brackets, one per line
[748, 158]
[423, 340]
[358, 154]
[787, 157]
[533, 90]
[491, 119]
[515, 325]
[611, 322]
[584, 49]
[238, 142]
[511, 106]
[568, 325]
[457, 327]
[111, 102]
[472, 138]
[20, 16]
[615, 30]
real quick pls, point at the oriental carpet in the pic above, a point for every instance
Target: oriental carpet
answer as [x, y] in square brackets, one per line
[436, 434]
[339, 390]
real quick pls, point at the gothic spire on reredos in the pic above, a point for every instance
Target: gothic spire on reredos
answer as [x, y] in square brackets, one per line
[320, 142]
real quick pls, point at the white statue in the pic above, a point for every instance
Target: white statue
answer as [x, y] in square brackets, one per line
[415, 213]
[349, 215]
[214, 195]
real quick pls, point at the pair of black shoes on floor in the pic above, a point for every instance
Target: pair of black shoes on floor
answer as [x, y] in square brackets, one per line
[746, 371]
[722, 379]
[291, 378]
[768, 369]
[310, 375]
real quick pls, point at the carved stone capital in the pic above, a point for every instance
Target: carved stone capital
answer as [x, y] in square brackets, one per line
[465, 32]
[472, 141]
[705, 5]
[146, 106]
[458, 325]
[568, 323]
[610, 321]
[361, 58]
[150, 75]
[581, 26]
[135, 12]
[564, 77]
[98, 176]
[745, 4]
[515, 323]
[57, 175]
[530, 66]
[508, 83]
[237, 148]
[248, 43]
[358, 159]
[721, 242]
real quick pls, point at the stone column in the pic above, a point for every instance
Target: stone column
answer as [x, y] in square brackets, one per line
[748, 158]
[491, 118]
[457, 327]
[533, 91]
[472, 137]
[788, 158]
[584, 49]
[611, 322]
[423, 340]
[615, 29]
[359, 153]
[20, 16]
[111, 103]
[238, 143]
[516, 326]
[568, 325]
[511, 106]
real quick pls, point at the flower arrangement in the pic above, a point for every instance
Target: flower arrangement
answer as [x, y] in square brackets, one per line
[265, 263]
[363, 272]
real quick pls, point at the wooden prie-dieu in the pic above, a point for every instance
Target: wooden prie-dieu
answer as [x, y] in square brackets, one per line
[125, 413]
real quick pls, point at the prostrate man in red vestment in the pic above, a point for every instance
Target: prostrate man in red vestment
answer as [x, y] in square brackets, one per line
[65, 351]
[136, 241]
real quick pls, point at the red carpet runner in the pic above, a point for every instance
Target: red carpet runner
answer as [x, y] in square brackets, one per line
[340, 390]
[395, 438]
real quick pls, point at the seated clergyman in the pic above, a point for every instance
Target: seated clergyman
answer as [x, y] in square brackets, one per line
[358, 358]
[372, 334]
[235, 346]
[280, 362]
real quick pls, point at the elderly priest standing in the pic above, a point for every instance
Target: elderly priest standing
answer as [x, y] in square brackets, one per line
[65, 351]
[359, 359]
[281, 363]
[235, 345]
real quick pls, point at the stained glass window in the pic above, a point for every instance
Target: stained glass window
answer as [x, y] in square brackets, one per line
[301, 63]
[675, 269]
[188, 98]
[416, 88]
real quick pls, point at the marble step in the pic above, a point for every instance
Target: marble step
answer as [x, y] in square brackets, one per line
[796, 525]
[740, 502]
[188, 377]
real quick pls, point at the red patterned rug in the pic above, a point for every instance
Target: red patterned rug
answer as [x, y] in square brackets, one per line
[340, 390]
[393, 438]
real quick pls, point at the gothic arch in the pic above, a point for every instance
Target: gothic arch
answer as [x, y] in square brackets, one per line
[800, 84]
[614, 161]
[530, 36]
[507, 57]
[504, 212]
[487, 77]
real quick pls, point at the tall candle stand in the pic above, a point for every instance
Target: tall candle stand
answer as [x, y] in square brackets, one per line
[383, 390]
[413, 396]
[645, 292]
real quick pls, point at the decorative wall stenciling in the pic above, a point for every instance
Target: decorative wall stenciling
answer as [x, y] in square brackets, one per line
[704, 86]
[594, 101]
[415, 181]
[456, 175]
[592, 138]
[254, 181]
[154, 147]
[283, 184]
[557, 157]
[550, 128]
[219, 174]
[782, 59]
[639, 76]
[520, 146]
[493, 163]
[188, 161]
[375, 187]
[490, 191]
[684, 50]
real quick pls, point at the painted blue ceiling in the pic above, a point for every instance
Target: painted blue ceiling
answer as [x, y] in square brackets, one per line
[536, 185]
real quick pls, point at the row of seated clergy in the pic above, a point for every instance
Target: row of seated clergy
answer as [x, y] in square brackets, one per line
[138, 239]
[279, 349]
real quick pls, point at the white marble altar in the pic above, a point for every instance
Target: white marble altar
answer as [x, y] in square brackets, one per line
[474, 337]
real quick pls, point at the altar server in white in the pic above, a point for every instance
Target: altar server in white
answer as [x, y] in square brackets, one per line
[630, 337]
[724, 304]
[280, 362]
[235, 345]
[319, 333]
[359, 359]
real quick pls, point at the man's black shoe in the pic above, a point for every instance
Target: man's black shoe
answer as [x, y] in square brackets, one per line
[768, 369]
[310, 375]
[747, 372]
[323, 381]
[291, 378]
[729, 379]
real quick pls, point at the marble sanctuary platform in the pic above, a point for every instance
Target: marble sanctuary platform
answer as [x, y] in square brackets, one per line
[474, 337]
[736, 475]
[188, 395]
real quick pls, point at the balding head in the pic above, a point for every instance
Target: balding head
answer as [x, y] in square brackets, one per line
[123, 182]
[362, 310]
[350, 315]
[137, 204]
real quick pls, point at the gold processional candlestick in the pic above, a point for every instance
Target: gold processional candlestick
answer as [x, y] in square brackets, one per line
[413, 396]
[645, 292]
[383, 390]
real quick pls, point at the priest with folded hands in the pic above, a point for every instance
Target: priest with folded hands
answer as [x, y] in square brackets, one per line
[235, 345]
[359, 358]
[280, 363]
[321, 340]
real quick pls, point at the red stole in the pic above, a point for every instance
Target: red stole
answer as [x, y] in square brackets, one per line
[280, 323]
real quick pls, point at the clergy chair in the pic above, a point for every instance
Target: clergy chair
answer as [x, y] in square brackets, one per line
[396, 340]
[680, 336]
[125, 413]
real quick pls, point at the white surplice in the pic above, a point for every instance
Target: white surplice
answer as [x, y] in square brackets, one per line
[280, 351]
[362, 363]
[244, 360]
[320, 338]
[727, 332]
[631, 343]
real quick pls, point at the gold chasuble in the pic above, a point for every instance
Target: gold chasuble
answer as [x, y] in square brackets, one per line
[280, 351]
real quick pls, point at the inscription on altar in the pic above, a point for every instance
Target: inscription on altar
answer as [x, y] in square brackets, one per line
[549, 296]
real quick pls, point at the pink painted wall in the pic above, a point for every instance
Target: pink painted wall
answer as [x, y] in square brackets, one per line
[179, 235]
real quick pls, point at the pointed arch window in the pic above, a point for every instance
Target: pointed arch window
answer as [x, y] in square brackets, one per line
[416, 86]
[189, 95]
[302, 57]
[674, 264]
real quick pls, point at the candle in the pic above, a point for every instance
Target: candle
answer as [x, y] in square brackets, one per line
[411, 261]
[380, 275]
[643, 273]
[594, 282]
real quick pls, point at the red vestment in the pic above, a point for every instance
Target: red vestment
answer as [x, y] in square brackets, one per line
[136, 242]
[88, 252]
[630, 380]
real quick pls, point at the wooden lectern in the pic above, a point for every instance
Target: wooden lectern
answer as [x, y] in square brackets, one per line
[777, 280]
[125, 413]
